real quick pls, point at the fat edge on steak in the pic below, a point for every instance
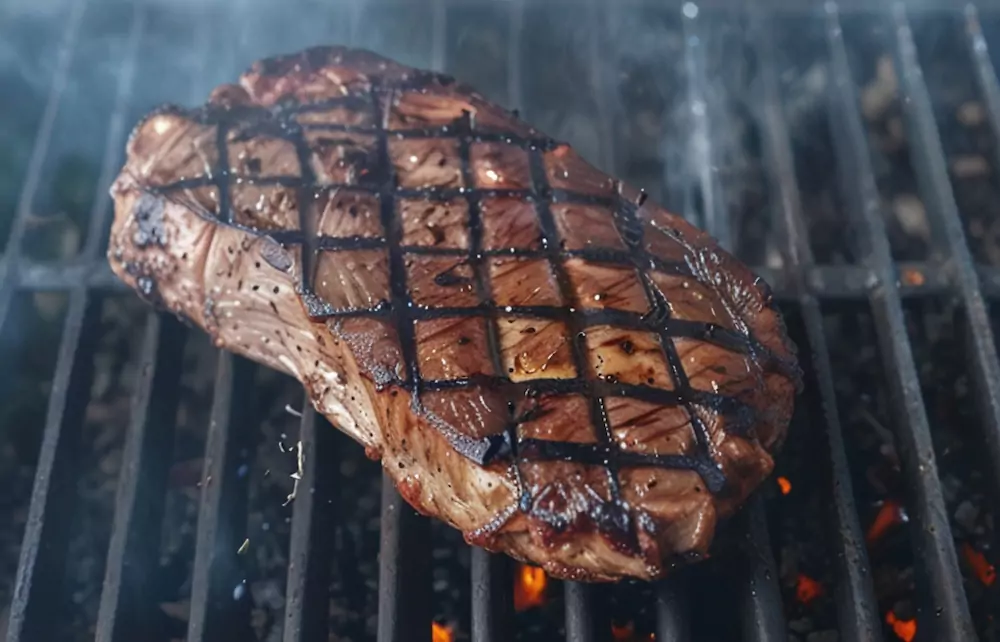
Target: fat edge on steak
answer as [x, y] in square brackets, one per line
[538, 354]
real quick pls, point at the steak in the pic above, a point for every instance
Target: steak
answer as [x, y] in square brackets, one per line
[538, 354]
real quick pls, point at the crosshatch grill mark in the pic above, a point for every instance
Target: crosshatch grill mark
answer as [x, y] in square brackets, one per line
[401, 310]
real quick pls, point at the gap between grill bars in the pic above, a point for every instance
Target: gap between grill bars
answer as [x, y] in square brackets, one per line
[405, 537]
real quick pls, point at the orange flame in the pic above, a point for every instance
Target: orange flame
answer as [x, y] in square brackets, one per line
[529, 587]
[784, 485]
[889, 515]
[905, 630]
[985, 571]
[807, 589]
[440, 633]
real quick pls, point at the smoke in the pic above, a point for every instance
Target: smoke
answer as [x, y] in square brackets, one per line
[609, 78]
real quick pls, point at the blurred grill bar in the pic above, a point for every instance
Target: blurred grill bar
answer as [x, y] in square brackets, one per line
[937, 564]
[219, 605]
[935, 187]
[308, 585]
[40, 568]
[127, 603]
[857, 612]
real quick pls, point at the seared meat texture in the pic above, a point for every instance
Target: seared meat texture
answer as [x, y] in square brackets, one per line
[538, 354]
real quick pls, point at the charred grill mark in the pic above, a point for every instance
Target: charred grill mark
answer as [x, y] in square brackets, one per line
[449, 278]
[400, 302]
[379, 178]
[371, 183]
[633, 233]
[598, 413]
[148, 214]
[598, 454]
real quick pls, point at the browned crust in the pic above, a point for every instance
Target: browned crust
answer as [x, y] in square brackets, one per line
[381, 415]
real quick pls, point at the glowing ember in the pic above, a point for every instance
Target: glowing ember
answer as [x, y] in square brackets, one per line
[985, 571]
[529, 587]
[807, 589]
[784, 485]
[891, 514]
[626, 633]
[913, 277]
[492, 175]
[905, 630]
[440, 633]
[622, 633]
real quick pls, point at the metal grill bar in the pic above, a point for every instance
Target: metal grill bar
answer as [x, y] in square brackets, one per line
[672, 604]
[126, 599]
[309, 558]
[935, 188]
[581, 612]
[712, 215]
[760, 598]
[217, 612]
[938, 573]
[492, 607]
[404, 613]
[45, 536]
[216, 604]
[762, 614]
[855, 596]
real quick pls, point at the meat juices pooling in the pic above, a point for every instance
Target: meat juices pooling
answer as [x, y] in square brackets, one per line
[538, 354]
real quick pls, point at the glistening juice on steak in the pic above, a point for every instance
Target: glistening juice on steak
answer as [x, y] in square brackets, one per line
[539, 355]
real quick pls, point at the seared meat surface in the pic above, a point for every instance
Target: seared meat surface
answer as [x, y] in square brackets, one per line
[538, 354]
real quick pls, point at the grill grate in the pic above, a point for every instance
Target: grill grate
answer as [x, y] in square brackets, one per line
[404, 577]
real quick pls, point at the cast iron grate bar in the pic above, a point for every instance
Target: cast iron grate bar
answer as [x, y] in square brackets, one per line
[936, 190]
[706, 188]
[937, 565]
[307, 589]
[404, 578]
[217, 612]
[761, 610]
[857, 613]
[127, 608]
[45, 536]
[673, 621]
[492, 603]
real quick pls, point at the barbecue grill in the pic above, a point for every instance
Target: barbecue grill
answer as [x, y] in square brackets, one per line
[812, 83]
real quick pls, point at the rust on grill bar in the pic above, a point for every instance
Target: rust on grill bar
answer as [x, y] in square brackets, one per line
[220, 608]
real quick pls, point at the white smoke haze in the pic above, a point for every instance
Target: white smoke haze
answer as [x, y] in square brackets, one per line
[609, 78]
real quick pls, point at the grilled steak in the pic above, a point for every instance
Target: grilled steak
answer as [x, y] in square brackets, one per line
[538, 354]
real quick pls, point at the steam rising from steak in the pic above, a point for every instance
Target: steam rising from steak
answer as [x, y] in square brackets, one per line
[538, 354]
